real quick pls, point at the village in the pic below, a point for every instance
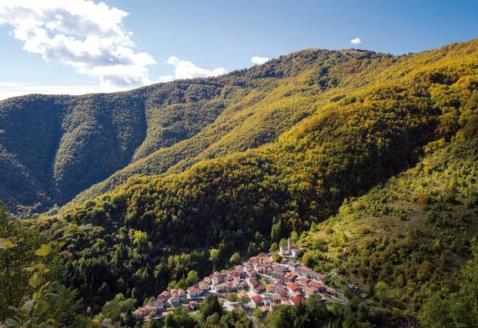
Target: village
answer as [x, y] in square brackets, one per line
[260, 283]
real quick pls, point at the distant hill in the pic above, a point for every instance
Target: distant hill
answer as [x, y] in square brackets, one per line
[54, 147]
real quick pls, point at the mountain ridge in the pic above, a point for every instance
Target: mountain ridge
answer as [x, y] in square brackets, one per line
[127, 126]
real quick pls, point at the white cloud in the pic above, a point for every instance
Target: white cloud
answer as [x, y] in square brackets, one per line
[256, 60]
[356, 41]
[86, 35]
[13, 89]
[187, 70]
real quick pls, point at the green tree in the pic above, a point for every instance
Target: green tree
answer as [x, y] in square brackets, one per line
[276, 231]
[214, 257]
[211, 306]
[119, 304]
[192, 277]
[235, 258]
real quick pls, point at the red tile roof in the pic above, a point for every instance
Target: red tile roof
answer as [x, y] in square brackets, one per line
[296, 299]
[256, 298]
[293, 287]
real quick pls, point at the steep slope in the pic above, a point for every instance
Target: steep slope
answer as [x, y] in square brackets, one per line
[80, 141]
[404, 240]
[262, 115]
[153, 231]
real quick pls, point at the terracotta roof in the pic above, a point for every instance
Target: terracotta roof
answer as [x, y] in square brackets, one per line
[296, 299]
[256, 298]
[292, 286]
[315, 283]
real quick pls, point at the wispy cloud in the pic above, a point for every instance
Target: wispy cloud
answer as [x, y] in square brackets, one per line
[13, 89]
[184, 69]
[356, 41]
[86, 35]
[256, 60]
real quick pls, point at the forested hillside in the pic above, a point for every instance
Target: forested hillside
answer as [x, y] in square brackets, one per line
[406, 243]
[367, 160]
[80, 141]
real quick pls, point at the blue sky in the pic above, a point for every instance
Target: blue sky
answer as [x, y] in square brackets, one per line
[181, 39]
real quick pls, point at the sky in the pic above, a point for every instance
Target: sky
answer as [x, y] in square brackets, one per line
[81, 46]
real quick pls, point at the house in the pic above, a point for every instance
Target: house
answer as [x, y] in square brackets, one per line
[257, 300]
[224, 287]
[278, 271]
[181, 294]
[235, 275]
[242, 285]
[204, 286]
[309, 273]
[270, 288]
[159, 304]
[217, 278]
[236, 285]
[149, 308]
[140, 313]
[194, 292]
[290, 276]
[276, 298]
[266, 298]
[302, 281]
[174, 301]
[293, 288]
[297, 299]
[280, 289]
[165, 295]
[250, 271]
[258, 288]
[252, 282]
[321, 288]
[310, 290]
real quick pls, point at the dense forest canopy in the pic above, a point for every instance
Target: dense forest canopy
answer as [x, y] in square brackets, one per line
[152, 128]
[367, 160]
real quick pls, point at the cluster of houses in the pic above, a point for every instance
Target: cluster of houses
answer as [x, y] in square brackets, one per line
[260, 283]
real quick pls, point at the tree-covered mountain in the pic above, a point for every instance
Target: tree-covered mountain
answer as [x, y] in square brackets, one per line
[80, 141]
[367, 160]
